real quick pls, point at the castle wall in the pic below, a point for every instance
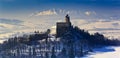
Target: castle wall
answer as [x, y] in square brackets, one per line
[62, 27]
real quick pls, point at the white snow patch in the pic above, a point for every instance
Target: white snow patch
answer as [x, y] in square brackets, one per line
[107, 52]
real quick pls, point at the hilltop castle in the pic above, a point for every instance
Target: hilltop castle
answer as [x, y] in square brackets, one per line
[63, 27]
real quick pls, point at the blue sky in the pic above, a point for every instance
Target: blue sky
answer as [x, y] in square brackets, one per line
[30, 15]
[22, 8]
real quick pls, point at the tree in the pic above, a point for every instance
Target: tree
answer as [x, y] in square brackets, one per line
[34, 52]
[53, 53]
[47, 33]
[71, 53]
[63, 53]
[81, 50]
[46, 55]
[30, 51]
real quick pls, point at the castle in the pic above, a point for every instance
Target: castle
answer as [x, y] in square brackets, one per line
[63, 27]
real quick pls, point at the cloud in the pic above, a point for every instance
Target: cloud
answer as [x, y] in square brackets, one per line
[1, 26]
[54, 12]
[10, 21]
[101, 25]
[47, 12]
[88, 13]
[107, 28]
[5, 26]
[115, 24]
[63, 11]
[53, 29]
[9, 26]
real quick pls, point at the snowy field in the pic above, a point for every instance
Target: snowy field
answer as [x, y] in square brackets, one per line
[107, 52]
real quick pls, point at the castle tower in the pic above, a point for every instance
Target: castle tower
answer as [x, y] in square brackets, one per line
[67, 19]
[63, 27]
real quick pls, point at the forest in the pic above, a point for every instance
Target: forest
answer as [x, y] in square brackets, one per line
[75, 43]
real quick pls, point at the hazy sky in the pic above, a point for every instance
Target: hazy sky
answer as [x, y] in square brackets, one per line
[29, 15]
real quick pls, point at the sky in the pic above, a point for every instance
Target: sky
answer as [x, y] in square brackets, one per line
[30, 15]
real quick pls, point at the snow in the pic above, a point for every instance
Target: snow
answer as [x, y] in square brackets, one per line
[106, 52]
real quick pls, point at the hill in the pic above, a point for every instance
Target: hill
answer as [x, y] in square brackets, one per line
[75, 43]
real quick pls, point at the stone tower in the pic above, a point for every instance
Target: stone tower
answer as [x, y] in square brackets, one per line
[63, 27]
[67, 20]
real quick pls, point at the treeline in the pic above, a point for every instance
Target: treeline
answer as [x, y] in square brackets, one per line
[25, 39]
[75, 34]
[74, 43]
[96, 39]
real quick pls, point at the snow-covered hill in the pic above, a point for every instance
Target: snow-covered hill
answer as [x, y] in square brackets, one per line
[106, 52]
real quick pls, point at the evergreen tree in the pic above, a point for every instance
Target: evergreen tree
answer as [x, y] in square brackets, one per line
[63, 53]
[46, 55]
[30, 51]
[34, 52]
[53, 53]
[18, 51]
[71, 53]
[81, 50]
